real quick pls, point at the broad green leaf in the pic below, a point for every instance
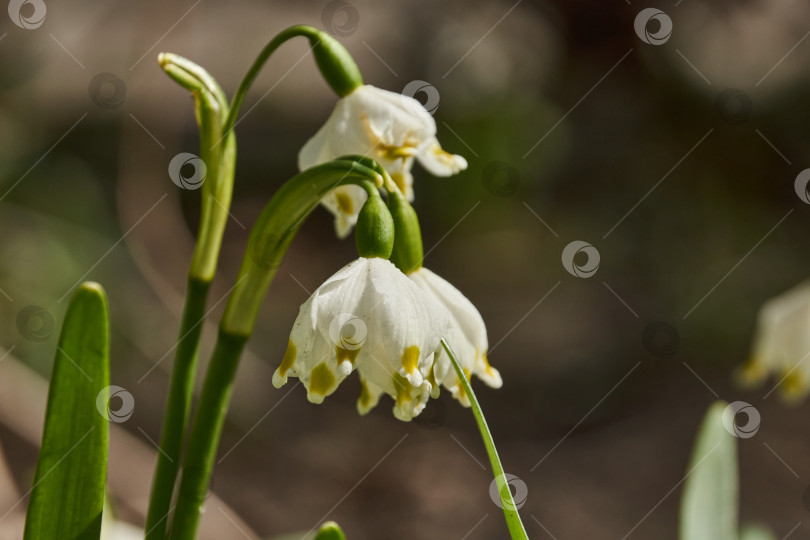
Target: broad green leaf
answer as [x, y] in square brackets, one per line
[709, 503]
[68, 493]
[756, 532]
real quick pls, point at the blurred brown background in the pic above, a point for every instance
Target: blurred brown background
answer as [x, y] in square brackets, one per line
[676, 161]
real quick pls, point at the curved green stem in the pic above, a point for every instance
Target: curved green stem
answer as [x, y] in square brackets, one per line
[274, 230]
[516, 529]
[334, 61]
[178, 405]
[269, 240]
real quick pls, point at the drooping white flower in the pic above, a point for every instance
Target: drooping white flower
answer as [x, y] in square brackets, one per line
[371, 318]
[391, 128]
[782, 344]
[467, 335]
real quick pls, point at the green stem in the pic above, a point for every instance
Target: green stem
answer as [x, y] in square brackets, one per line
[275, 229]
[516, 529]
[204, 440]
[210, 110]
[269, 240]
[334, 61]
[178, 405]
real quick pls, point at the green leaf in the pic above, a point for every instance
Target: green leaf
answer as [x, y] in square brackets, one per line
[68, 493]
[756, 532]
[330, 531]
[709, 505]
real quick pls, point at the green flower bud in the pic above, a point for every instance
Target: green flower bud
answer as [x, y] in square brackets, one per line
[407, 254]
[374, 232]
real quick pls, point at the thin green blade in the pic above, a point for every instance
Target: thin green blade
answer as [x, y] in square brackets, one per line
[709, 505]
[756, 532]
[330, 531]
[68, 493]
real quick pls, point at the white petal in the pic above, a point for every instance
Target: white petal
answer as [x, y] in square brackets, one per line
[369, 396]
[400, 172]
[782, 342]
[345, 203]
[438, 162]
[462, 311]
[408, 319]
[467, 335]
[316, 150]
[394, 119]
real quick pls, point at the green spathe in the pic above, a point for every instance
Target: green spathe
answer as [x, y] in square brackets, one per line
[217, 151]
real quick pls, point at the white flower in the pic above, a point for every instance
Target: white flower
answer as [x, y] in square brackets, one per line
[389, 127]
[782, 343]
[367, 317]
[467, 336]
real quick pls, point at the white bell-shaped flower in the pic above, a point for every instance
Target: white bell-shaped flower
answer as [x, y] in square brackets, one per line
[782, 343]
[467, 335]
[371, 318]
[391, 128]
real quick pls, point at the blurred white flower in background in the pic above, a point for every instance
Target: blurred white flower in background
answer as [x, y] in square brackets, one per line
[782, 344]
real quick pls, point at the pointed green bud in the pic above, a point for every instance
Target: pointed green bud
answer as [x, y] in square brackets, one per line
[407, 254]
[374, 232]
[330, 531]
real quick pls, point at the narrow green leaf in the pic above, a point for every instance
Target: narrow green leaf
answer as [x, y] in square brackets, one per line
[330, 531]
[756, 532]
[709, 505]
[68, 493]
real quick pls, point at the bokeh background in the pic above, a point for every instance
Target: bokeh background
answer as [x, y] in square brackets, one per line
[675, 158]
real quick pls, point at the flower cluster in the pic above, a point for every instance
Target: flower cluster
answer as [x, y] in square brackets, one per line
[370, 316]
